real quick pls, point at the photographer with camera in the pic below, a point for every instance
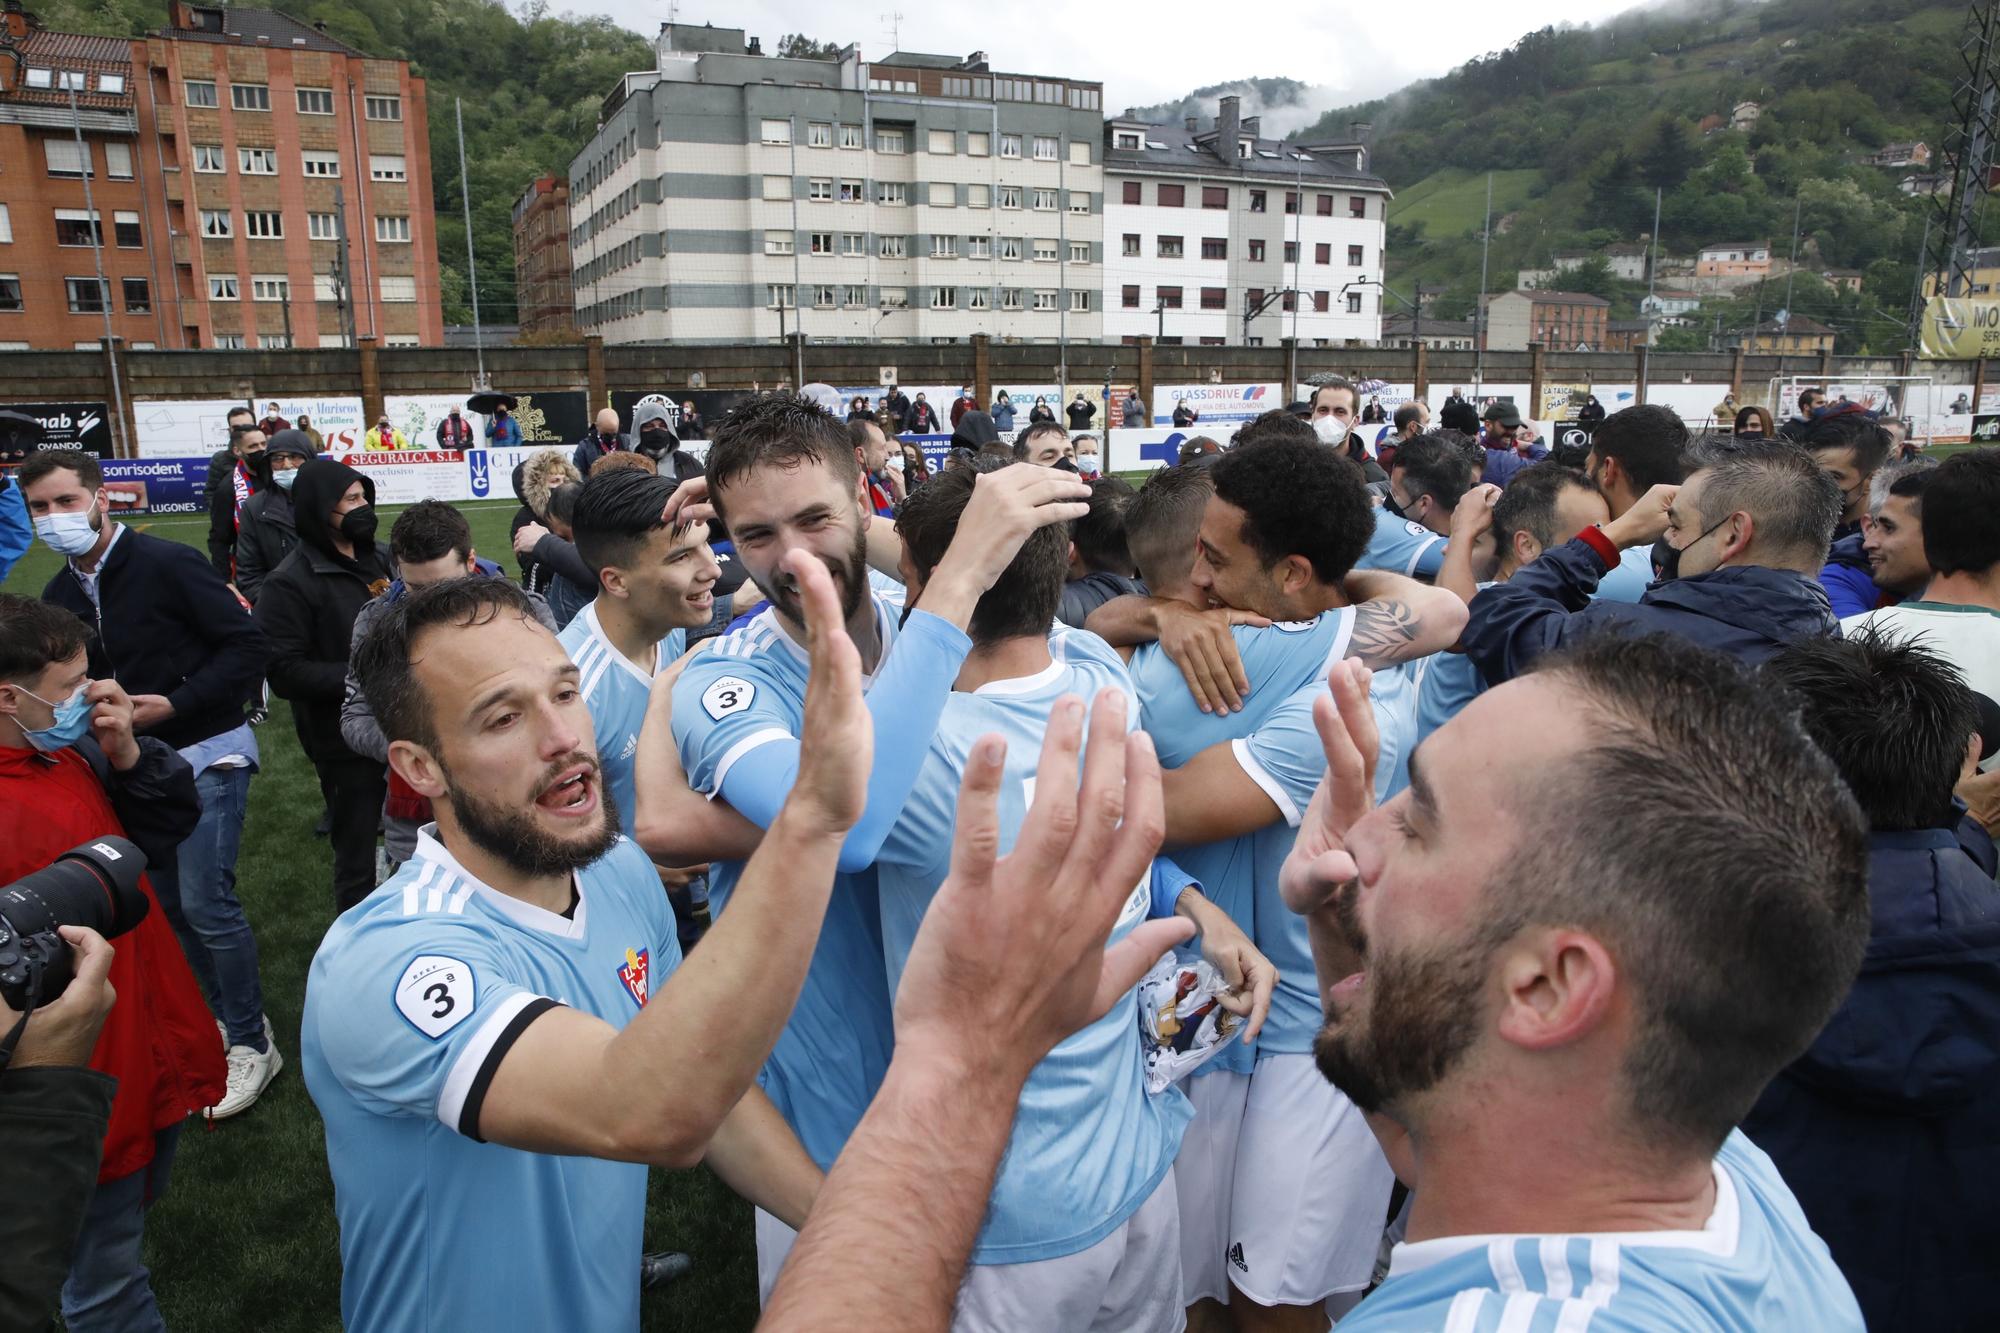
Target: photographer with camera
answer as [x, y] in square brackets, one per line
[72, 772]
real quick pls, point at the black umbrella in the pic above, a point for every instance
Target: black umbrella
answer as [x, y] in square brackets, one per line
[19, 426]
[484, 403]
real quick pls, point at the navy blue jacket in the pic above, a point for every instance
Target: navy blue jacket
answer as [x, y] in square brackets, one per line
[1888, 1127]
[1746, 611]
[1849, 583]
[170, 626]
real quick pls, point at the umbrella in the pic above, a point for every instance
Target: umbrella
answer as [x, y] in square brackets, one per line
[483, 403]
[19, 425]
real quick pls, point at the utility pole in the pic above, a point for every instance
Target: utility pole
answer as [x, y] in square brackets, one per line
[1793, 263]
[1653, 264]
[471, 265]
[97, 254]
[343, 267]
[1479, 309]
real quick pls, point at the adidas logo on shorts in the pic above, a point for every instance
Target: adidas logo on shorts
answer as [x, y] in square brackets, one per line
[1236, 1256]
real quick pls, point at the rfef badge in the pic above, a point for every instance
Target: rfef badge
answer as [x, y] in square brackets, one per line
[632, 972]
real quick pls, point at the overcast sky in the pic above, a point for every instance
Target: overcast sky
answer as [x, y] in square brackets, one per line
[1158, 51]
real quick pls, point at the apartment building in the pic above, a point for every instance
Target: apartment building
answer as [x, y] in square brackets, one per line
[229, 152]
[544, 299]
[1227, 237]
[732, 195]
[1564, 321]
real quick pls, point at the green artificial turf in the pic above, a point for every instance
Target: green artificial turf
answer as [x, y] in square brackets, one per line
[245, 1237]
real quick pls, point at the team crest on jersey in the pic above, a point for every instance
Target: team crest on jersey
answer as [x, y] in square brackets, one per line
[632, 974]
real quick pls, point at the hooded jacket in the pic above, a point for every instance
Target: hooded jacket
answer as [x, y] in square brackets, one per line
[159, 1041]
[267, 536]
[1746, 611]
[1850, 582]
[308, 605]
[675, 464]
[1888, 1127]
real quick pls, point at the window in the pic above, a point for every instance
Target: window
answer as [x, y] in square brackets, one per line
[943, 194]
[398, 289]
[1047, 147]
[138, 296]
[269, 287]
[6, 226]
[1215, 196]
[87, 296]
[208, 159]
[1291, 201]
[1010, 298]
[76, 227]
[850, 136]
[895, 298]
[10, 293]
[1129, 192]
[1128, 296]
[822, 298]
[942, 142]
[1320, 300]
[1079, 201]
[65, 159]
[257, 161]
[1256, 252]
[978, 143]
[1079, 252]
[322, 227]
[777, 242]
[944, 247]
[1079, 300]
[1045, 252]
[853, 296]
[1131, 246]
[41, 78]
[853, 244]
[1045, 300]
[250, 96]
[1214, 298]
[284, 340]
[1170, 297]
[1290, 300]
[320, 164]
[387, 167]
[781, 296]
[777, 187]
[944, 298]
[853, 192]
[377, 107]
[979, 196]
[271, 226]
[1291, 252]
[1042, 201]
[978, 247]
[1353, 303]
[1171, 247]
[222, 287]
[1354, 256]
[892, 247]
[978, 298]
[118, 161]
[1214, 247]
[1010, 196]
[228, 342]
[1257, 204]
[777, 131]
[1357, 205]
[1173, 196]
[892, 193]
[200, 92]
[215, 224]
[820, 189]
[1128, 139]
[890, 140]
[1010, 247]
[819, 134]
[1010, 145]
[324, 288]
[1323, 205]
[125, 228]
[1322, 253]
[393, 230]
[315, 101]
[821, 242]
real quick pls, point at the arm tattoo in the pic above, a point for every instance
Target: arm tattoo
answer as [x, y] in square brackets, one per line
[1384, 630]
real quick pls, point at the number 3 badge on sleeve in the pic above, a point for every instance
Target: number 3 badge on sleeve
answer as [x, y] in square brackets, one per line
[435, 994]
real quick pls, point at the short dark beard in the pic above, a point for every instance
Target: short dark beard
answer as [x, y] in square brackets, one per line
[516, 841]
[1421, 1019]
[782, 590]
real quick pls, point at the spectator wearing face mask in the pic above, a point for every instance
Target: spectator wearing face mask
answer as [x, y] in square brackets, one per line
[247, 475]
[923, 417]
[502, 430]
[962, 404]
[307, 610]
[1849, 445]
[1185, 414]
[1331, 412]
[1081, 411]
[1432, 473]
[304, 425]
[383, 436]
[1088, 459]
[692, 426]
[274, 420]
[603, 438]
[1040, 412]
[655, 437]
[267, 532]
[454, 432]
[1002, 412]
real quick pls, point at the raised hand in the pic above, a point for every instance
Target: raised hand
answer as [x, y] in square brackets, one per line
[111, 721]
[1319, 863]
[837, 740]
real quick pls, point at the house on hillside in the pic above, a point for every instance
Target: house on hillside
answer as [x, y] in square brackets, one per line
[1622, 335]
[1843, 279]
[1902, 155]
[1984, 273]
[1571, 321]
[1924, 185]
[1743, 116]
[1627, 260]
[1669, 303]
[1798, 335]
[1450, 335]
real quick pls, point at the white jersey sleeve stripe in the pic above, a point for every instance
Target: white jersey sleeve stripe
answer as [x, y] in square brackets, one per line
[1555, 1267]
[1603, 1271]
[472, 1057]
[1506, 1268]
[440, 886]
[1463, 1316]
[1271, 787]
[1518, 1313]
[763, 736]
[1342, 637]
[413, 889]
[1574, 1317]
[592, 675]
[1410, 570]
[456, 905]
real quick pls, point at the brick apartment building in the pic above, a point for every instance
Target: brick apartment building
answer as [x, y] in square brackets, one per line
[543, 297]
[215, 150]
[1564, 321]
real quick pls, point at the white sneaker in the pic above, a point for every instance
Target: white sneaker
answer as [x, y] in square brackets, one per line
[250, 1072]
[270, 1037]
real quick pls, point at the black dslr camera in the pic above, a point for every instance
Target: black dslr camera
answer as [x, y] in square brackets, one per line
[94, 885]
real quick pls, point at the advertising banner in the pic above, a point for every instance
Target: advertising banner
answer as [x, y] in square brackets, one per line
[156, 485]
[184, 427]
[1957, 328]
[1215, 403]
[1158, 447]
[84, 426]
[405, 476]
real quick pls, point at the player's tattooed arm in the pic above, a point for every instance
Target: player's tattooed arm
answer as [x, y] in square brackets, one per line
[1399, 619]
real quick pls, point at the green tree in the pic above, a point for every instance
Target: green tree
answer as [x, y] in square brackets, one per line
[1670, 155]
[798, 46]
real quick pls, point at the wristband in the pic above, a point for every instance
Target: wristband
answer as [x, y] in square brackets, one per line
[1593, 537]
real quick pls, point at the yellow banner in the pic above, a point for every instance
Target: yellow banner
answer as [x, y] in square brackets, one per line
[1960, 328]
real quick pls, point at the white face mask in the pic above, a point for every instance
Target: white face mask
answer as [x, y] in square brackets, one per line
[67, 534]
[1330, 429]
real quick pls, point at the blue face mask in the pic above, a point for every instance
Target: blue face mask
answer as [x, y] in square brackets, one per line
[72, 722]
[283, 480]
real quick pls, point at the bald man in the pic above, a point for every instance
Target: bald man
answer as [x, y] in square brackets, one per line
[600, 440]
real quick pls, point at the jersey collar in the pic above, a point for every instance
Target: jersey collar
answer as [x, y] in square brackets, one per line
[885, 630]
[526, 915]
[637, 672]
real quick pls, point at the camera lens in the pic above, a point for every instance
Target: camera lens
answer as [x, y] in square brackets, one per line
[94, 885]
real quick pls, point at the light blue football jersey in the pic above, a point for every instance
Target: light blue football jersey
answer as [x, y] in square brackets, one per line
[414, 997]
[745, 696]
[617, 690]
[1285, 758]
[1402, 546]
[1755, 1265]
[1631, 576]
[1088, 1144]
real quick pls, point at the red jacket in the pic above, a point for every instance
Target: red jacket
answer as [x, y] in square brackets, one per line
[160, 1042]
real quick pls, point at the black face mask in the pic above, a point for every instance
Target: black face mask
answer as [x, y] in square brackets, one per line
[358, 525]
[1389, 503]
[1667, 557]
[654, 443]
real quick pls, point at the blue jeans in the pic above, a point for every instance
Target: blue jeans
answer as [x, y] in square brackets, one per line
[198, 895]
[108, 1286]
